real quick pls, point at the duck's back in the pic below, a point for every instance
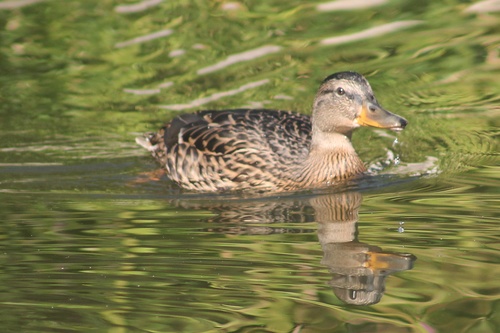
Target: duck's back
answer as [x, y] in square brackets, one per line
[233, 149]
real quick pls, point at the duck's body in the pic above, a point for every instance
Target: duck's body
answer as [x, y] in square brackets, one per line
[271, 150]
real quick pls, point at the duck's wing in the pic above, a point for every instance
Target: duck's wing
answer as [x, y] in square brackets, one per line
[285, 133]
[212, 150]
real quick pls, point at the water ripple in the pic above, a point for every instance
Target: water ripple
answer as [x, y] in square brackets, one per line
[348, 5]
[371, 32]
[138, 7]
[240, 57]
[484, 7]
[214, 97]
[17, 4]
[145, 38]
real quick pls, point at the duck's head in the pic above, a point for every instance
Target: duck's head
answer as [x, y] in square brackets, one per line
[345, 101]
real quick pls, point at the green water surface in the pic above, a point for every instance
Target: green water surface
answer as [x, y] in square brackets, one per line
[94, 239]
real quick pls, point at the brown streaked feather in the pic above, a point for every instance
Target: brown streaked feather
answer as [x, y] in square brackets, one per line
[232, 149]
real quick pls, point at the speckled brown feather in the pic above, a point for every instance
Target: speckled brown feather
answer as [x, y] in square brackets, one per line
[233, 149]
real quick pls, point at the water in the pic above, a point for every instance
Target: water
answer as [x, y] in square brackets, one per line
[95, 239]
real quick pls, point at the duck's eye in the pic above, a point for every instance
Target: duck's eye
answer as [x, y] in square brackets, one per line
[340, 91]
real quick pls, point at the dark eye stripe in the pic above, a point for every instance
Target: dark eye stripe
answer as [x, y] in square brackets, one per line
[326, 92]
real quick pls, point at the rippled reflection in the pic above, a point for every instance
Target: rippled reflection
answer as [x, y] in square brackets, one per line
[358, 269]
[84, 248]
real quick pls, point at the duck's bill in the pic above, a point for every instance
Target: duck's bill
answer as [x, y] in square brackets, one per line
[375, 116]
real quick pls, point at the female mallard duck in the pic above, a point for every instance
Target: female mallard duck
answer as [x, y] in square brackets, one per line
[268, 149]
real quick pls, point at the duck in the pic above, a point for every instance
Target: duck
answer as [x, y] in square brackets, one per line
[272, 150]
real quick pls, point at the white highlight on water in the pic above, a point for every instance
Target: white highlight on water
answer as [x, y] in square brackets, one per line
[137, 7]
[176, 53]
[369, 33]
[348, 5]
[17, 4]
[214, 97]
[145, 38]
[151, 91]
[484, 7]
[240, 57]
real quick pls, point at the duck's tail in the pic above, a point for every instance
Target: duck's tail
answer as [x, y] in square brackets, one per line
[154, 143]
[145, 142]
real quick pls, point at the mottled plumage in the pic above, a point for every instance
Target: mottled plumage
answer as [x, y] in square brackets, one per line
[268, 149]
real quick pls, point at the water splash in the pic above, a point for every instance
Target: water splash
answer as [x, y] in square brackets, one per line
[395, 142]
[401, 229]
[397, 160]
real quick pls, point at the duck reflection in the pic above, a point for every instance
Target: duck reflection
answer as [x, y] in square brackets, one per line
[358, 269]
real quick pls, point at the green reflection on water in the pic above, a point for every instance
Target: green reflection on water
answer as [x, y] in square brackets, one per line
[79, 259]
[88, 245]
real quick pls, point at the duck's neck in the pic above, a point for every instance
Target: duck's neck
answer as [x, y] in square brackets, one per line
[331, 158]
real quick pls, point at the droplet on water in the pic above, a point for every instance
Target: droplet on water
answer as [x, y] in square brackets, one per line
[396, 159]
